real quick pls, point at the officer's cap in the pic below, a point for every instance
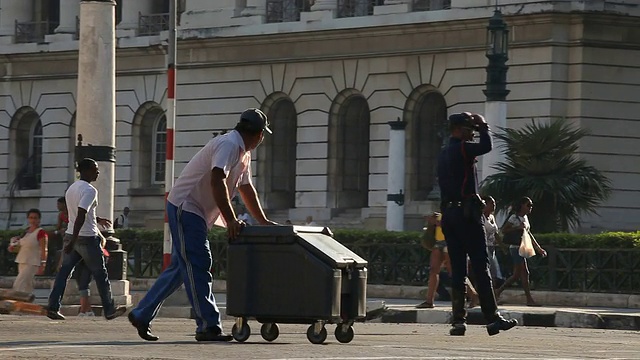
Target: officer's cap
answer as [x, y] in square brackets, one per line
[461, 119]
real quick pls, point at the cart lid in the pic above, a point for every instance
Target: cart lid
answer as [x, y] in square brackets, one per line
[330, 248]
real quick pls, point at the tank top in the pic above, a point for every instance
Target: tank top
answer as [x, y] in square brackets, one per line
[30, 248]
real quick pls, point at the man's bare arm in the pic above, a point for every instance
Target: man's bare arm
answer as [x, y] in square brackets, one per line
[250, 198]
[221, 195]
[77, 225]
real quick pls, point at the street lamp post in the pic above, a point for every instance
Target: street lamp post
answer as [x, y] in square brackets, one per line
[496, 86]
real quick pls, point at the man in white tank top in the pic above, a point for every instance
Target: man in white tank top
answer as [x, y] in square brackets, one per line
[201, 198]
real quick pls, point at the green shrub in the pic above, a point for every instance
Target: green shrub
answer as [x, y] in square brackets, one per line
[606, 240]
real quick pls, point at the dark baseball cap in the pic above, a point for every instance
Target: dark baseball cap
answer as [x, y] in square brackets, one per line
[461, 119]
[254, 120]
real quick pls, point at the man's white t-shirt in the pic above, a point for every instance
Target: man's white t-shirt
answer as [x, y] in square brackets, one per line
[84, 195]
[192, 189]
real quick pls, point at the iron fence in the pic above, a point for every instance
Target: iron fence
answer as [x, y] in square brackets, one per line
[152, 24]
[286, 10]
[581, 270]
[33, 31]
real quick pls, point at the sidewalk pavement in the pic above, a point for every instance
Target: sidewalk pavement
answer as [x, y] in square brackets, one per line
[396, 304]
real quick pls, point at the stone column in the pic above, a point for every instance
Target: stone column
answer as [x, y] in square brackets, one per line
[69, 12]
[95, 116]
[12, 10]
[131, 9]
[395, 176]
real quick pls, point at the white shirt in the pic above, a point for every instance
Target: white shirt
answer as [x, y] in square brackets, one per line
[490, 228]
[516, 221]
[192, 189]
[123, 221]
[246, 218]
[84, 195]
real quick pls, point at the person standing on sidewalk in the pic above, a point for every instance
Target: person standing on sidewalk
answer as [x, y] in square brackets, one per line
[201, 198]
[82, 242]
[462, 224]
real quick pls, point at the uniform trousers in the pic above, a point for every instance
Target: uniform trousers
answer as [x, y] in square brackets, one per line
[467, 237]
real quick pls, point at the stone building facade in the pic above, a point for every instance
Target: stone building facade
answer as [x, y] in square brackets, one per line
[330, 74]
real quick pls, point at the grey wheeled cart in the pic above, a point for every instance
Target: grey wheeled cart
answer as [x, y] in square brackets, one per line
[294, 275]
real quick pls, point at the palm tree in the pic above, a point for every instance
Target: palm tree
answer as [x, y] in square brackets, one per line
[541, 163]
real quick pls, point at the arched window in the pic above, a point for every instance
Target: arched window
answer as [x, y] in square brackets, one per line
[349, 151]
[26, 144]
[426, 133]
[149, 146]
[159, 154]
[277, 155]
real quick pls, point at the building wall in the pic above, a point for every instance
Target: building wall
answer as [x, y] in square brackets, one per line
[578, 66]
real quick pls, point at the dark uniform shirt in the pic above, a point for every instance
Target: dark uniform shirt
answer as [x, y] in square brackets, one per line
[457, 175]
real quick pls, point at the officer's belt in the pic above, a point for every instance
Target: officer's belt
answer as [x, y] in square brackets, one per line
[453, 204]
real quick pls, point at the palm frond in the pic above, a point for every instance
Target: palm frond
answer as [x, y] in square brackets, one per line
[541, 162]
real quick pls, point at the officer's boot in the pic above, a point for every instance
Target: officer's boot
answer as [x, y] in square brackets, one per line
[459, 323]
[500, 324]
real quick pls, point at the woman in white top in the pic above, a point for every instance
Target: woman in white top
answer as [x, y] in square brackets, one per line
[493, 239]
[32, 256]
[517, 221]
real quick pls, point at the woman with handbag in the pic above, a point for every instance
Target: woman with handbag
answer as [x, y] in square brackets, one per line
[435, 241]
[516, 233]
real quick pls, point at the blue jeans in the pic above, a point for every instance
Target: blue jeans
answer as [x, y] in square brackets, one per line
[85, 249]
[191, 262]
[83, 278]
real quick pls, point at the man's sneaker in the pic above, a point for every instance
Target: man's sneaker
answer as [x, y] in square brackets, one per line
[213, 335]
[501, 324]
[119, 311]
[55, 315]
[144, 330]
[458, 329]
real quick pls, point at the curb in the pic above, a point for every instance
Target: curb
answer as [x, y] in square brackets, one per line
[548, 318]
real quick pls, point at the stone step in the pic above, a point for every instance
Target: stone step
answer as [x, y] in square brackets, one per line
[95, 299]
[118, 287]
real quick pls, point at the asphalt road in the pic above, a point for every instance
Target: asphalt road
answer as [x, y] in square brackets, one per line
[29, 337]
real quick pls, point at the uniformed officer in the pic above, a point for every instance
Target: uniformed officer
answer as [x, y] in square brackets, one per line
[462, 220]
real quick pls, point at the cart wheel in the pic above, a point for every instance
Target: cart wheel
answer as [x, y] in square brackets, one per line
[316, 338]
[243, 334]
[270, 331]
[344, 336]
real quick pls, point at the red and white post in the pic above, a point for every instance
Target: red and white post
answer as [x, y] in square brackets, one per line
[171, 122]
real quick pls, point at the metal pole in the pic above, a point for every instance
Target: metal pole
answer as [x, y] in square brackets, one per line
[171, 122]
